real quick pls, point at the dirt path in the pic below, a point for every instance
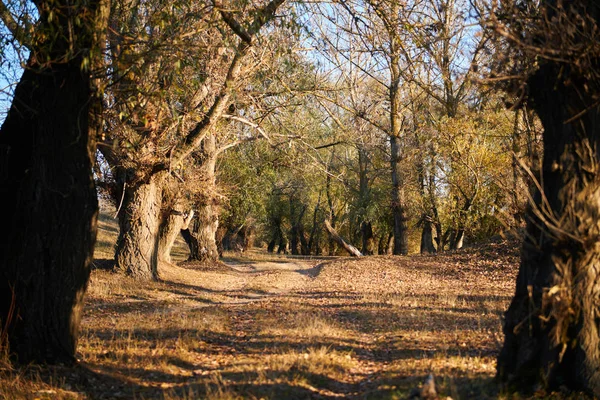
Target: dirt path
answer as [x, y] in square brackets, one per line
[293, 329]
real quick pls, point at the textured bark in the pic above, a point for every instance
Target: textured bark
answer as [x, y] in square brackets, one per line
[172, 223]
[208, 223]
[551, 327]
[139, 222]
[353, 251]
[49, 204]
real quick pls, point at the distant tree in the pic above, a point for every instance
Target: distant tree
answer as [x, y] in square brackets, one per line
[49, 204]
[551, 327]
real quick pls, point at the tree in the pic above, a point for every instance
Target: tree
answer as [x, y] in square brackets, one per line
[160, 134]
[551, 329]
[49, 198]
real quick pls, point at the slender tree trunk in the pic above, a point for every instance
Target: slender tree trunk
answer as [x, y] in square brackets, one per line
[192, 243]
[552, 337]
[366, 230]
[382, 243]
[313, 241]
[427, 236]
[398, 200]
[139, 222]
[49, 204]
[390, 244]
[353, 251]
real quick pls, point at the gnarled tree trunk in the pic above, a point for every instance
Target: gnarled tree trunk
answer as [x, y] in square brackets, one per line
[49, 204]
[139, 222]
[172, 224]
[552, 336]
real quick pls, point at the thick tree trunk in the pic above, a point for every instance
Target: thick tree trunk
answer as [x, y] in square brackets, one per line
[398, 200]
[49, 204]
[139, 222]
[208, 223]
[353, 251]
[208, 212]
[552, 337]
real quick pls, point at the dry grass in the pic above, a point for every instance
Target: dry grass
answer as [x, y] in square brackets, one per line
[288, 329]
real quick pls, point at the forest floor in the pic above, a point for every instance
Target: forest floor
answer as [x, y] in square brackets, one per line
[265, 327]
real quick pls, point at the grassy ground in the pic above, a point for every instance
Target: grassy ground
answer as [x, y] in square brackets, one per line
[277, 328]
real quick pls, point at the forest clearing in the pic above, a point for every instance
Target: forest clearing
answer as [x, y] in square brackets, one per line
[277, 327]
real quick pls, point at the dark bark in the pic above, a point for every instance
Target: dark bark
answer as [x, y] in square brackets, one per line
[551, 327]
[353, 251]
[366, 230]
[192, 243]
[49, 204]
[282, 247]
[139, 223]
[399, 206]
[457, 237]
[427, 235]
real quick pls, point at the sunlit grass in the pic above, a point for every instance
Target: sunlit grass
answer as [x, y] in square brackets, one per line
[276, 328]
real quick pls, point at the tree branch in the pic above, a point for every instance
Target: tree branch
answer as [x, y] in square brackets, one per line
[20, 33]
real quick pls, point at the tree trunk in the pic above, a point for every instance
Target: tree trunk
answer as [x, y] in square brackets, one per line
[139, 222]
[208, 214]
[173, 223]
[427, 236]
[366, 230]
[283, 245]
[390, 244]
[353, 251]
[192, 243]
[457, 238]
[398, 200]
[551, 327]
[208, 223]
[49, 204]
[313, 241]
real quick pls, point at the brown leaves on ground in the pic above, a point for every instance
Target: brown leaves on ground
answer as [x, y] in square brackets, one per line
[278, 328]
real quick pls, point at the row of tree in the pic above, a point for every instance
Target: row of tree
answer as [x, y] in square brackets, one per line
[376, 129]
